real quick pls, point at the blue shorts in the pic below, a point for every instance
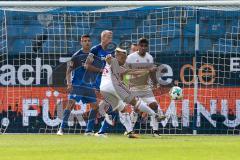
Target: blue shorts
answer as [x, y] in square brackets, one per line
[84, 93]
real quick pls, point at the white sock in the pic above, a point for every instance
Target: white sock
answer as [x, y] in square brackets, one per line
[142, 106]
[154, 123]
[126, 121]
[134, 117]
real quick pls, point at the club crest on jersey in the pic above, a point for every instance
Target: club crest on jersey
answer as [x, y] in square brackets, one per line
[102, 58]
[137, 60]
[148, 60]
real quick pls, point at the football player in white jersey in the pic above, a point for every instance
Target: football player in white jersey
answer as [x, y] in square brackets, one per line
[141, 84]
[116, 94]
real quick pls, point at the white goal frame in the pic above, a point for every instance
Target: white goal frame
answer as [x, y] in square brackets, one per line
[115, 3]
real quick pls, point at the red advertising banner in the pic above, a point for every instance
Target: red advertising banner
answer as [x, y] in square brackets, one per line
[13, 97]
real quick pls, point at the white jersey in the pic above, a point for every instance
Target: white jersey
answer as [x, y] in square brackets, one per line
[140, 80]
[106, 81]
[111, 74]
[112, 88]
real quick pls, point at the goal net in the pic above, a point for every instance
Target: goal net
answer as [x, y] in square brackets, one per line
[197, 47]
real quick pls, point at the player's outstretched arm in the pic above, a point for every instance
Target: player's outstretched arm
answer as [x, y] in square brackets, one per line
[68, 75]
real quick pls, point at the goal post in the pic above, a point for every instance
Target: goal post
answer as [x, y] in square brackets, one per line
[116, 3]
[195, 44]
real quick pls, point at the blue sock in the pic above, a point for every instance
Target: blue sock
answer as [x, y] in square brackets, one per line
[91, 120]
[66, 115]
[105, 125]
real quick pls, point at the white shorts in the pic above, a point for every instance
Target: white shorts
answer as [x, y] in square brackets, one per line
[146, 95]
[120, 89]
[112, 98]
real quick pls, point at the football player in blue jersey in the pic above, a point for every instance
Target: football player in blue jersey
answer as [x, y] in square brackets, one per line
[80, 81]
[100, 52]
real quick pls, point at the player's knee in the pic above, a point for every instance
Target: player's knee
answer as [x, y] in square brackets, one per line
[123, 110]
[133, 102]
[136, 110]
[153, 106]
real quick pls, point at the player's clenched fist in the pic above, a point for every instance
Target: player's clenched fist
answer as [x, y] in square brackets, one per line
[108, 58]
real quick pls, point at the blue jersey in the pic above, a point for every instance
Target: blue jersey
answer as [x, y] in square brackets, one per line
[99, 61]
[80, 76]
[82, 79]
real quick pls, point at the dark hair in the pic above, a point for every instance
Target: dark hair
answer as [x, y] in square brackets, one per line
[85, 36]
[143, 40]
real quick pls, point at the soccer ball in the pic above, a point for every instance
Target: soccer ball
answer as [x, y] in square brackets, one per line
[176, 93]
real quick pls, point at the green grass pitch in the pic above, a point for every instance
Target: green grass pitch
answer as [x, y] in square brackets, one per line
[118, 147]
